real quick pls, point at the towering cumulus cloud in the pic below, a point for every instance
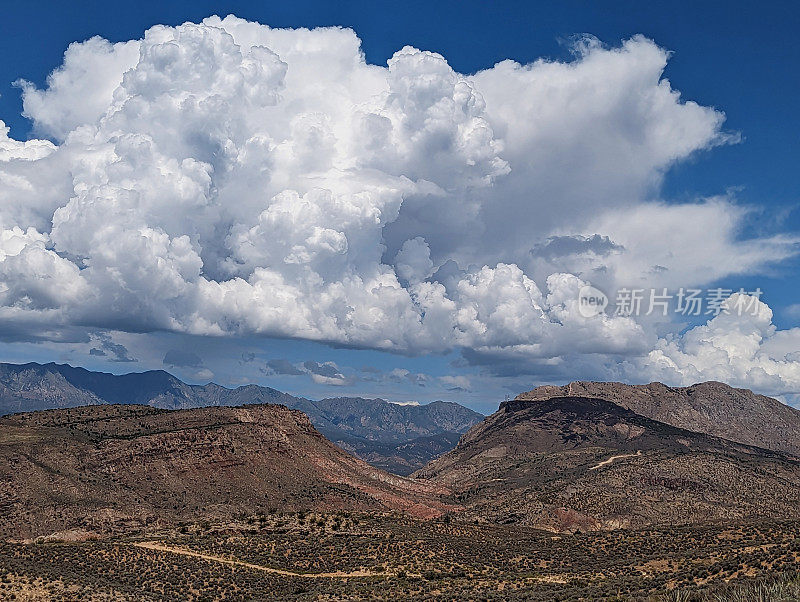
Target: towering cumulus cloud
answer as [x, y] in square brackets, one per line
[225, 177]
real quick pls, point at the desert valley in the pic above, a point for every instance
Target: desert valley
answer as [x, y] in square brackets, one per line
[142, 487]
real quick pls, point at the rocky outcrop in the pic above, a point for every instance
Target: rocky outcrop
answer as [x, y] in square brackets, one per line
[711, 407]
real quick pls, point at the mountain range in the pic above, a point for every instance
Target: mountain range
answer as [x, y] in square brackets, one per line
[111, 453]
[398, 438]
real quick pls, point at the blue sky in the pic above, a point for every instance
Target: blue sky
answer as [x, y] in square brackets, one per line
[738, 58]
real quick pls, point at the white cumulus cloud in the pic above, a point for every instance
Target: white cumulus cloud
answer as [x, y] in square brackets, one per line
[226, 178]
[740, 346]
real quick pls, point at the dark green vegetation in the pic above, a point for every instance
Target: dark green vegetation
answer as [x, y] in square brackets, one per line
[368, 557]
[396, 438]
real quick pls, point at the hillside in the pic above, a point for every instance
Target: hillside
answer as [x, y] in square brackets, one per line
[123, 467]
[397, 438]
[711, 407]
[575, 462]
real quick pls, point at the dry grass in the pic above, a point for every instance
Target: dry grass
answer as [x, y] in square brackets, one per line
[281, 557]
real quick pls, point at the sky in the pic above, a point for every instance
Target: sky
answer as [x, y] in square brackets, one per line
[409, 201]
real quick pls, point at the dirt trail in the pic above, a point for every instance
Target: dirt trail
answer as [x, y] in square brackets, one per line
[612, 458]
[152, 545]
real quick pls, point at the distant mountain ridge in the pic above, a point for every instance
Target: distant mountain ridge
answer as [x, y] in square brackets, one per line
[32, 386]
[380, 432]
[397, 438]
[710, 407]
[348, 415]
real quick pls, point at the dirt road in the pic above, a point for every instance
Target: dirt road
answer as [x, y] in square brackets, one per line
[153, 545]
